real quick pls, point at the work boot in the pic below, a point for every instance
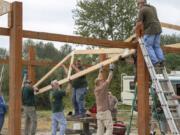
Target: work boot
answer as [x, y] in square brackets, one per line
[157, 67]
[162, 63]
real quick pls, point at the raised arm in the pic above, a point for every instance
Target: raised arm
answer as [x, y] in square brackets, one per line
[111, 69]
[100, 75]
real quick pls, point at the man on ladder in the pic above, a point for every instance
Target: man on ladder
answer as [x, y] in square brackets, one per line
[149, 27]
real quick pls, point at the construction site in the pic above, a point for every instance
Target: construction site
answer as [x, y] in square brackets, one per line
[107, 52]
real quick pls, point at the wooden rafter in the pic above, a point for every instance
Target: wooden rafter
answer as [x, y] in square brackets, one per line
[70, 67]
[71, 39]
[170, 26]
[33, 62]
[100, 51]
[80, 40]
[52, 70]
[81, 73]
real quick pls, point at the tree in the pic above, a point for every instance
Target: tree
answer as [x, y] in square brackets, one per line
[172, 60]
[170, 39]
[105, 19]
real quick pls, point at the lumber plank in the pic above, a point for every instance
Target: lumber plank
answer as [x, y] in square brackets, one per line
[52, 70]
[81, 73]
[170, 26]
[70, 67]
[77, 39]
[4, 31]
[100, 51]
[33, 62]
[177, 45]
[169, 49]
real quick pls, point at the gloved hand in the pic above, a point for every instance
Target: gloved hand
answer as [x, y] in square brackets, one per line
[101, 68]
[36, 89]
[111, 67]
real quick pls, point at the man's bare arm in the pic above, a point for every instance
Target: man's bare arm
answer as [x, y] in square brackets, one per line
[75, 68]
[100, 75]
[110, 76]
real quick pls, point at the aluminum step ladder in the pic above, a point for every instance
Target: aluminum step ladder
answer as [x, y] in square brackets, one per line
[165, 91]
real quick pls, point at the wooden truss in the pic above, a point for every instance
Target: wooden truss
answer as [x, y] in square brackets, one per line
[117, 54]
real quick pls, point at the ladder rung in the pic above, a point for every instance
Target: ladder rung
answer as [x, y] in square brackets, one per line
[163, 80]
[172, 106]
[176, 118]
[167, 92]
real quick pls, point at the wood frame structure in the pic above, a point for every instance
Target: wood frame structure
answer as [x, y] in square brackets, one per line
[16, 34]
[104, 61]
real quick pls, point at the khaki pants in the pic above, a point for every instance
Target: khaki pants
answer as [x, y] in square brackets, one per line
[30, 120]
[104, 120]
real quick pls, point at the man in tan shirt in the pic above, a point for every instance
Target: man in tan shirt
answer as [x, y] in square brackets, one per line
[104, 118]
[113, 103]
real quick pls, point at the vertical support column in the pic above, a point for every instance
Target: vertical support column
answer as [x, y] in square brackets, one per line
[103, 57]
[143, 95]
[31, 68]
[15, 69]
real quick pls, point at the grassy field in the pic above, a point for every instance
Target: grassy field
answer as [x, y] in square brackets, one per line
[44, 121]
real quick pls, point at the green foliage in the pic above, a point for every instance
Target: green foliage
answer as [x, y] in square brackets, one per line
[105, 19]
[172, 60]
[170, 39]
[47, 52]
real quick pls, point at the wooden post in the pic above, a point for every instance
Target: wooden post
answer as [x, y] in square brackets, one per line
[143, 95]
[15, 69]
[31, 68]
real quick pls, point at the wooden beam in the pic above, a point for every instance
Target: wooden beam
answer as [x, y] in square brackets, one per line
[31, 68]
[4, 31]
[15, 70]
[71, 39]
[168, 49]
[143, 95]
[170, 26]
[33, 62]
[99, 51]
[5, 7]
[177, 45]
[77, 40]
[81, 73]
[70, 67]
[52, 70]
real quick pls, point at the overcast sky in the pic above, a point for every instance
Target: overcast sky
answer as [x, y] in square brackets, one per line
[55, 16]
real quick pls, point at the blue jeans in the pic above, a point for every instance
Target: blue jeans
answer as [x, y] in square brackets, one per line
[152, 43]
[78, 100]
[2, 116]
[58, 118]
